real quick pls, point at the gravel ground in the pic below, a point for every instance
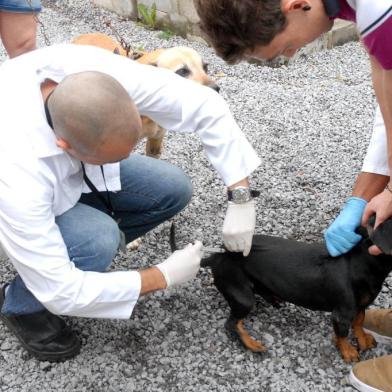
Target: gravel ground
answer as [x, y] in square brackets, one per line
[310, 122]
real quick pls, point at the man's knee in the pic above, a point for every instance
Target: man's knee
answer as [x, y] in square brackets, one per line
[179, 189]
[91, 236]
[106, 242]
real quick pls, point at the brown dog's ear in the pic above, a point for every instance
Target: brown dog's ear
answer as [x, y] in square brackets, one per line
[116, 51]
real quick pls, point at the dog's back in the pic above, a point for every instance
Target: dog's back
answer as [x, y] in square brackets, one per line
[304, 274]
[101, 41]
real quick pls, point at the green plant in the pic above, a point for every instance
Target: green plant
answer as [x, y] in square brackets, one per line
[148, 15]
[166, 34]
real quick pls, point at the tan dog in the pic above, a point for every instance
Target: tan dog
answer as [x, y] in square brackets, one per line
[184, 61]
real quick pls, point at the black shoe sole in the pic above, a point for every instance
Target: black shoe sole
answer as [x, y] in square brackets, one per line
[43, 356]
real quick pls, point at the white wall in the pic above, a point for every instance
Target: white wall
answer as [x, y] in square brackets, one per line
[180, 15]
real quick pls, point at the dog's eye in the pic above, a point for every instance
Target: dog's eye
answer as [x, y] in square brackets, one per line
[205, 67]
[184, 72]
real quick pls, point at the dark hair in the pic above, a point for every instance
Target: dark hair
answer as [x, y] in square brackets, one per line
[236, 26]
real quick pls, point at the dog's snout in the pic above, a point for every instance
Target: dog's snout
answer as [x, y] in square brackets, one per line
[215, 87]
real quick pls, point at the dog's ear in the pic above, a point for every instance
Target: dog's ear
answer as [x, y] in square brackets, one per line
[116, 51]
[382, 235]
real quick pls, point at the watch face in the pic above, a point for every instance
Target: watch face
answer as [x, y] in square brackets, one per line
[241, 195]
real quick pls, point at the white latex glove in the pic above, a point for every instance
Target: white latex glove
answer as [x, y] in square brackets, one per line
[182, 265]
[239, 226]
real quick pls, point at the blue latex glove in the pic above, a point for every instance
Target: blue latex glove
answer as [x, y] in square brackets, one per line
[340, 236]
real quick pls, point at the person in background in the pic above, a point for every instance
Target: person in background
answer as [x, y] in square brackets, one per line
[18, 25]
[265, 29]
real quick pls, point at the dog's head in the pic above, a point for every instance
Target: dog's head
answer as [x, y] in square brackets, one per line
[184, 61]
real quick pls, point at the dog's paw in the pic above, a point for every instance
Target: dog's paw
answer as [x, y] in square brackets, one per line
[153, 152]
[154, 148]
[347, 350]
[366, 342]
[349, 353]
[248, 341]
[254, 345]
[134, 245]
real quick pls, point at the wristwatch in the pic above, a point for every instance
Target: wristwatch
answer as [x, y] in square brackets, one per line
[241, 194]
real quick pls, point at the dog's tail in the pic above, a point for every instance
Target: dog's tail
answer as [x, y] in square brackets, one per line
[205, 262]
[209, 261]
[173, 245]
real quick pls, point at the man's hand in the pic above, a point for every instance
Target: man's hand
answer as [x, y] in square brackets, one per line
[340, 236]
[182, 265]
[381, 205]
[239, 226]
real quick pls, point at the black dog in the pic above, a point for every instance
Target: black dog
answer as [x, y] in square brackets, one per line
[305, 275]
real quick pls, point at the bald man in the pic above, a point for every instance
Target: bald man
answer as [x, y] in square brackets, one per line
[70, 186]
[93, 117]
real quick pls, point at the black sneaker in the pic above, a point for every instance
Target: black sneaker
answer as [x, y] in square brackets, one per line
[43, 334]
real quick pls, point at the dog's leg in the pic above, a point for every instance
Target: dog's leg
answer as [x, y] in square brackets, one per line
[237, 289]
[365, 340]
[267, 295]
[236, 327]
[341, 325]
[154, 144]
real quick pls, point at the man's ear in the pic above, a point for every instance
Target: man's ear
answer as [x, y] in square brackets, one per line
[295, 5]
[63, 144]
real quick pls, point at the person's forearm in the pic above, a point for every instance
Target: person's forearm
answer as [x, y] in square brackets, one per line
[369, 185]
[243, 182]
[151, 280]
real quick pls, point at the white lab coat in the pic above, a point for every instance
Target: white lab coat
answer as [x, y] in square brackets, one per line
[38, 181]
